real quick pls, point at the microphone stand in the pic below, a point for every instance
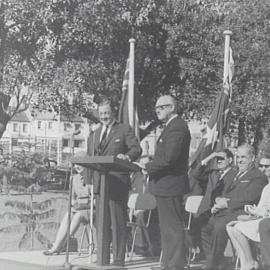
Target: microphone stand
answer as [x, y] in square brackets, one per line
[67, 265]
[91, 238]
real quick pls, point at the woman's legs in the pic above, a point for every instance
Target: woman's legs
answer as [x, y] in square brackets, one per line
[76, 219]
[241, 244]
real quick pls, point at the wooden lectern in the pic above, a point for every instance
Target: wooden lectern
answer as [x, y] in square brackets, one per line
[104, 164]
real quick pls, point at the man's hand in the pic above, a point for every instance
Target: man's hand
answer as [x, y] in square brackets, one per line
[220, 203]
[251, 209]
[124, 157]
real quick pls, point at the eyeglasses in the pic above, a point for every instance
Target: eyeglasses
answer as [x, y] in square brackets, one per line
[220, 158]
[162, 107]
[264, 166]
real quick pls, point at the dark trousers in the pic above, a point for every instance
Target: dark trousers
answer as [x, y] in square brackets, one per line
[170, 212]
[214, 239]
[117, 228]
[264, 230]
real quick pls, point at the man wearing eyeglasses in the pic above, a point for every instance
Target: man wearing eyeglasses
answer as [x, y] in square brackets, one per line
[169, 181]
[244, 188]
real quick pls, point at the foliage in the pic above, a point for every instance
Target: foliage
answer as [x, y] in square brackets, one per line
[66, 51]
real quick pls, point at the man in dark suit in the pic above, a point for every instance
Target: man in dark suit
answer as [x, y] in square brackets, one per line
[244, 188]
[115, 139]
[215, 179]
[169, 181]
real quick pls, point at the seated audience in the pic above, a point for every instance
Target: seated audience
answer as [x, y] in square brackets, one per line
[80, 211]
[247, 226]
[244, 188]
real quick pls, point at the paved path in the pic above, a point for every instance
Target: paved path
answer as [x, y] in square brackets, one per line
[35, 260]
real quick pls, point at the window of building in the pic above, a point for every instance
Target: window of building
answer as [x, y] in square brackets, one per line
[39, 124]
[77, 126]
[66, 126]
[65, 142]
[78, 143]
[50, 125]
[15, 127]
[25, 128]
[14, 142]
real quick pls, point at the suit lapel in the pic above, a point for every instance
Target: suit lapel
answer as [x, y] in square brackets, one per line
[110, 136]
[237, 179]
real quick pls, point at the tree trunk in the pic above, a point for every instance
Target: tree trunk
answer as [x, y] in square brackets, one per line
[4, 116]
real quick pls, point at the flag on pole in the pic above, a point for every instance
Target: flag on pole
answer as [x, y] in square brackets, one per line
[212, 139]
[128, 109]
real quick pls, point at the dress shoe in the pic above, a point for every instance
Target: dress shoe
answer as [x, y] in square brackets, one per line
[50, 252]
[162, 267]
[118, 263]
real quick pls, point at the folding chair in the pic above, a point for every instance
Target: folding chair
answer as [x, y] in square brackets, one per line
[140, 203]
[191, 206]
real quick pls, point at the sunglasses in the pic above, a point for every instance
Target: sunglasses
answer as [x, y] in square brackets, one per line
[220, 158]
[264, 166]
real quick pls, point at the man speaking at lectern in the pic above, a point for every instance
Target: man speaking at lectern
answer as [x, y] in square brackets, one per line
[114, 139]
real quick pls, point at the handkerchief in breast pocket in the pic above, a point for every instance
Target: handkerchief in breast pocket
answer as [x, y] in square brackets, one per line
[117, 140]
[244, 181]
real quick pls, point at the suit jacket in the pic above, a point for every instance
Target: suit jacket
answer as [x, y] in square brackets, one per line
[120, 140]
[245, 190]
[213, 178]
[168, 170]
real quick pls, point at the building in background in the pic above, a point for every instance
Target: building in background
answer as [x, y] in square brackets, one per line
[57, 137]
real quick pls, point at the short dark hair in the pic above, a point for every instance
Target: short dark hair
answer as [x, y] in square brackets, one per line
[228, 153]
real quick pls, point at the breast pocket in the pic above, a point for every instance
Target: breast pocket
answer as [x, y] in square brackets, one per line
[117, 145]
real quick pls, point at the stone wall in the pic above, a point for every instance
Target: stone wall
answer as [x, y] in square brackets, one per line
[30, 221]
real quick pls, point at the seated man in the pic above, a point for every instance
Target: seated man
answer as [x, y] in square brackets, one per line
[247, 226]
[245, 188]
[80, 212]
[216, 179]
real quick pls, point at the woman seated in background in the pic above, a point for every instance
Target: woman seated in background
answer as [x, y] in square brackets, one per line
[80, 211]
[247, 226]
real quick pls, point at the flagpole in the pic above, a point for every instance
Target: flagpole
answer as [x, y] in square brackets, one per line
[227, 34]
[131, 112]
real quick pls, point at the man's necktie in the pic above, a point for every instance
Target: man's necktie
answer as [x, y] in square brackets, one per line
[103, 139]
[217, 191]
[235, 181]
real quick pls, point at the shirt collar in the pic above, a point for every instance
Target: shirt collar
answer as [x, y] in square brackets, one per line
[172, 117]
[222, 173]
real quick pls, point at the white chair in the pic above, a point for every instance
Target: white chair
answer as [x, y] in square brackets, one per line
[140, 203]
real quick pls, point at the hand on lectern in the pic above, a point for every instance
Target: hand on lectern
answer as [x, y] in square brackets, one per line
[123, 156]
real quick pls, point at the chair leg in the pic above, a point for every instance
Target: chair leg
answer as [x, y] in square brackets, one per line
[160, 258]
[133, 243]
[150, 247]
[84, 233]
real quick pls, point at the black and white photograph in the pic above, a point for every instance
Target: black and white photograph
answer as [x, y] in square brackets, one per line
[135, 134]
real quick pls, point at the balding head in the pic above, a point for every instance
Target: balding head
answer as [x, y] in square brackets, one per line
[166, 107]
[245, 156]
